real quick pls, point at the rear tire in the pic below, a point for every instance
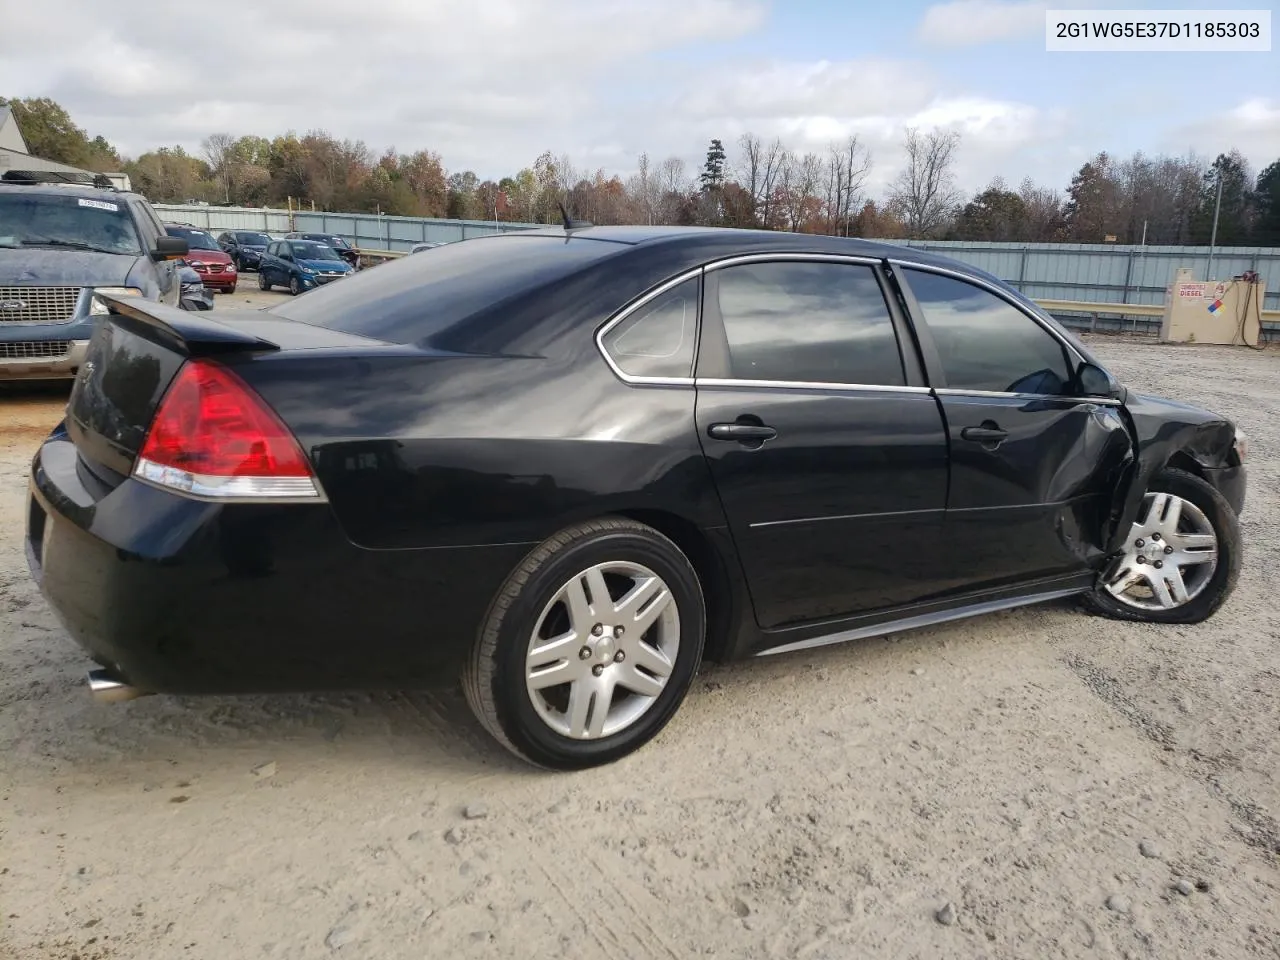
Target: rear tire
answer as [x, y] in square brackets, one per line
[263, 282]
[1189, 529]
[606, 696]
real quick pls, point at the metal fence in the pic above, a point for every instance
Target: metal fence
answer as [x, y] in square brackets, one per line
[367, 230]
[1097, 272]
[1104, 272]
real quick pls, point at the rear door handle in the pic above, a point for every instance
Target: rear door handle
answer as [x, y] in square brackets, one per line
[741, 432]
[987, 433]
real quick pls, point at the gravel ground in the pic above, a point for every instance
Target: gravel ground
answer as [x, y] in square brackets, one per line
[1037, 783]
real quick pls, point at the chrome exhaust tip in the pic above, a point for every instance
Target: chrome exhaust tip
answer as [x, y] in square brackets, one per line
[106, 689]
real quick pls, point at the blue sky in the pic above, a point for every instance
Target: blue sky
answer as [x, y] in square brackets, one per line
[489, 85]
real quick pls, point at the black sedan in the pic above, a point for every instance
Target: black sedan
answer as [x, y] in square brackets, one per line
[570, 465]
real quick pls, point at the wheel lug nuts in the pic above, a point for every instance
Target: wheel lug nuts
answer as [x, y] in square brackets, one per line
[619, 657]
[584, 653]
[597, 669]
[1142, 559]
[617, 632]
[1168, 549]
[597, 630]
[1140, 542]
[1155, 537]
[1159, 564]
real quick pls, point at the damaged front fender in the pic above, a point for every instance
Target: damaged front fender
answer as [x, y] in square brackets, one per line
[1165, 432]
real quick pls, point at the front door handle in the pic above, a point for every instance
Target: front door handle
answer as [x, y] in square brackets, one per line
[990, 435]
[751, 433]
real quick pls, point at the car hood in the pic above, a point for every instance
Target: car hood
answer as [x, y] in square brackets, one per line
[339, 265]
[45, 266]
[209, 256]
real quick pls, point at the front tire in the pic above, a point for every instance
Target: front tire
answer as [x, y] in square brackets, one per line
[263, 282]
[1181, 558]
[295, 288]
[589, 647]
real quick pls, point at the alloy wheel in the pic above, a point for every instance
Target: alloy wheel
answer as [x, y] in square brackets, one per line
[1169, 557]
[602, 650]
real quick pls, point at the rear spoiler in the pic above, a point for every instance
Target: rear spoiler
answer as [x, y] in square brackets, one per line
[188, 333]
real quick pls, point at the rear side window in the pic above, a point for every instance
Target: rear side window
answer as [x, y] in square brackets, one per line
[415, 298]
[985, 343]
[657, 339]
[817, 322]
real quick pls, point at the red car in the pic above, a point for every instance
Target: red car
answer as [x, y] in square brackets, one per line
[206, 257]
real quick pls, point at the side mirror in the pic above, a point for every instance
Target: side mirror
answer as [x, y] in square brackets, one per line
[1096, 382]
[170, 248]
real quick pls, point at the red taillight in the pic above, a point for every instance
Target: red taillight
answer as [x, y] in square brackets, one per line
[212, 436]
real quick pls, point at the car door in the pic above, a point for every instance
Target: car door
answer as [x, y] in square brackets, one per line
[270, 265]
[1034, 462]
[166, 271]
[824, 444]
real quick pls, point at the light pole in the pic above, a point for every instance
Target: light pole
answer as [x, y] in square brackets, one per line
[1213, 236]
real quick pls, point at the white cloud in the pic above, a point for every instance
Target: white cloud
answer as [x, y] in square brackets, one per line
[487, 84]
[1252, 127]
[968, 22]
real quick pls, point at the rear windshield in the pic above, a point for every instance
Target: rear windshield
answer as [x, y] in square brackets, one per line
[416, 297]
[254, 239]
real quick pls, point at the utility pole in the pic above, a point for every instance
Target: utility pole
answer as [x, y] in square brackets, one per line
[1213, 237]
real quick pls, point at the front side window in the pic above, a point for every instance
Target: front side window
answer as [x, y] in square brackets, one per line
[657, 339]
[799, 322]
[986, 343]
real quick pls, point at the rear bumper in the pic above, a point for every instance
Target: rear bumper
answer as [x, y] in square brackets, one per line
[33, 366]
[177, 595]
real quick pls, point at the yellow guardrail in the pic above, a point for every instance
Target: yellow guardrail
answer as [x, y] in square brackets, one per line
[1124, 309]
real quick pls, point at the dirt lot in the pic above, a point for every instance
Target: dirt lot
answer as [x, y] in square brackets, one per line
[810, 806]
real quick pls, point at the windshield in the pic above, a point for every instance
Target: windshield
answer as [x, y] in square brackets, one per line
[312, 251]
[254, 239]
[71, 221]
[196, 239]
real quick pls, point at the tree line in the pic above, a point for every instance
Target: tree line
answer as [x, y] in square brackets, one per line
[756, 183]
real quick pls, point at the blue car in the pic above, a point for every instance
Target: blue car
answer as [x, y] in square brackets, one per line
[300, 265]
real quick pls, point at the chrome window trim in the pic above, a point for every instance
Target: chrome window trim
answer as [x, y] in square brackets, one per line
[631, 308]
[1100, 401]
[992, 289]
[807, 385]
[741, 258]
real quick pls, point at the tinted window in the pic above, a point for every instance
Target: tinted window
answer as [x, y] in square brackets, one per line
[414, 298]
[657, 340]
[254, 239]
[986, 343]
[808, 322]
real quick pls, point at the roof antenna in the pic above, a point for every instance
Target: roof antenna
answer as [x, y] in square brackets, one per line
[570, 223]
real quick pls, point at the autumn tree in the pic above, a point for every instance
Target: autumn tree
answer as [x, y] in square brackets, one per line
[848, 166]
[925, 191]
[51, 134]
